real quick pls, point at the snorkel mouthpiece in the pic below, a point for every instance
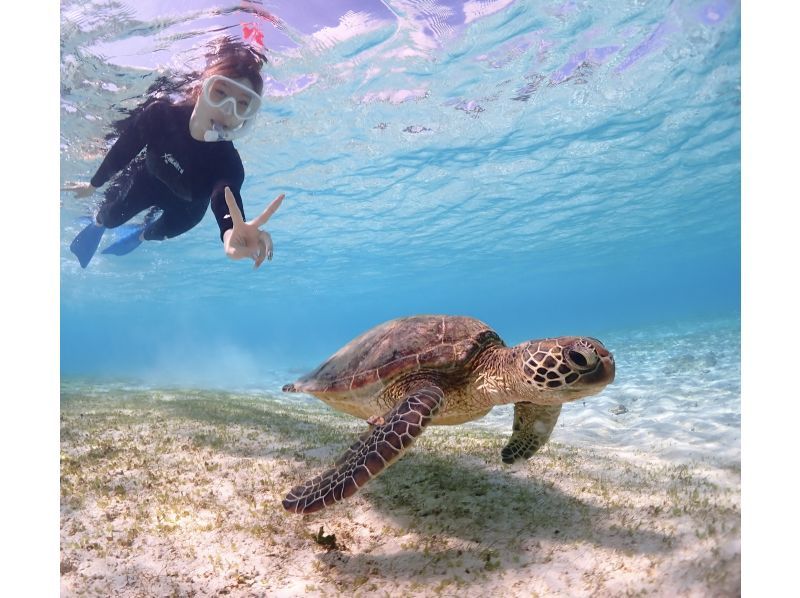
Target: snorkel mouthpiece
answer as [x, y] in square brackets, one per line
[215, 133]
[219, 132]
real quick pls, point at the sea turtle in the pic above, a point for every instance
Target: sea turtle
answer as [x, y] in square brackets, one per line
[410, 372]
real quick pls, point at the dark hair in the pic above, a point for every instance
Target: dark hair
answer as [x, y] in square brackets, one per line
[236, 60]
[226, 56]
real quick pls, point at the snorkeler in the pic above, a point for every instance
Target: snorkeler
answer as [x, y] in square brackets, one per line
[189, 163]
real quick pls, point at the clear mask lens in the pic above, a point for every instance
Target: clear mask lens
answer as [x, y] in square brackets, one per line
[231, 97]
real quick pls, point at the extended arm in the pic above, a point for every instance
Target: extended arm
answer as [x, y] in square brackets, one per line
[127, 145]
[125, 149]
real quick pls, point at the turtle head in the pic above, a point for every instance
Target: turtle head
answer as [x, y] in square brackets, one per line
[558, 370]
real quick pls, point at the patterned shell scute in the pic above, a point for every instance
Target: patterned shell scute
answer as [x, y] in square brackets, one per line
[398, 347]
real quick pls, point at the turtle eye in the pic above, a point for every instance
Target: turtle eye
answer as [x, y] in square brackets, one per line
[582, 358]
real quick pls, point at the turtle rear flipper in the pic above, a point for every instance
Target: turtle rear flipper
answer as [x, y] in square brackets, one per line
[533, 425]
[370, 455]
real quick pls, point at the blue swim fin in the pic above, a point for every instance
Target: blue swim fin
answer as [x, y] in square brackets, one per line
[85, 242]
[127, 242]
[124, 230]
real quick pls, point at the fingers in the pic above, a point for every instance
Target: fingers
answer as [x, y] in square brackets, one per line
[79, 189]
[258, 258]
[265, 243]
[268, 244]
[236, 213]
[241, 241]
[269, 211]
[264, 250]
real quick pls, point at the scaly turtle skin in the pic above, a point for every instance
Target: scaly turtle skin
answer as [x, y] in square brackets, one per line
[411, 372]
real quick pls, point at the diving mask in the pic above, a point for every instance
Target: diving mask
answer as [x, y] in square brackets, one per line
[236, 104]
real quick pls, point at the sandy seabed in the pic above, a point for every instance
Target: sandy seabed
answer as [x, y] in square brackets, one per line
[178, 493]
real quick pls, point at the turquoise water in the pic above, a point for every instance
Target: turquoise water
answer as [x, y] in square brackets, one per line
[548, 167]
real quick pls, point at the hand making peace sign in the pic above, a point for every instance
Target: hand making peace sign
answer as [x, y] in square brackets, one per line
[245, 239]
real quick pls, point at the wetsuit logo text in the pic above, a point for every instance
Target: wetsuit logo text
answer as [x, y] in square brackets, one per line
[170, 159]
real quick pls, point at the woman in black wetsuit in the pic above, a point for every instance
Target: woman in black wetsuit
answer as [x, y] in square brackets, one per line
[189, 162]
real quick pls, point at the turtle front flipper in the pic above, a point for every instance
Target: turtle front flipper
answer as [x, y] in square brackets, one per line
[370, 455]
[532, 427]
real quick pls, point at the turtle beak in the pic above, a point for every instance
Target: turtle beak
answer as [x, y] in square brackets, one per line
[607, 370]
[607, 360]
[610, 367]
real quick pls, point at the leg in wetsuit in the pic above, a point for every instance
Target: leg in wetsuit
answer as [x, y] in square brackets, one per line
[136, 190]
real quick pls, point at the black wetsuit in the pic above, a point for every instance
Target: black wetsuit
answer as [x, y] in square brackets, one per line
[176, 173]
